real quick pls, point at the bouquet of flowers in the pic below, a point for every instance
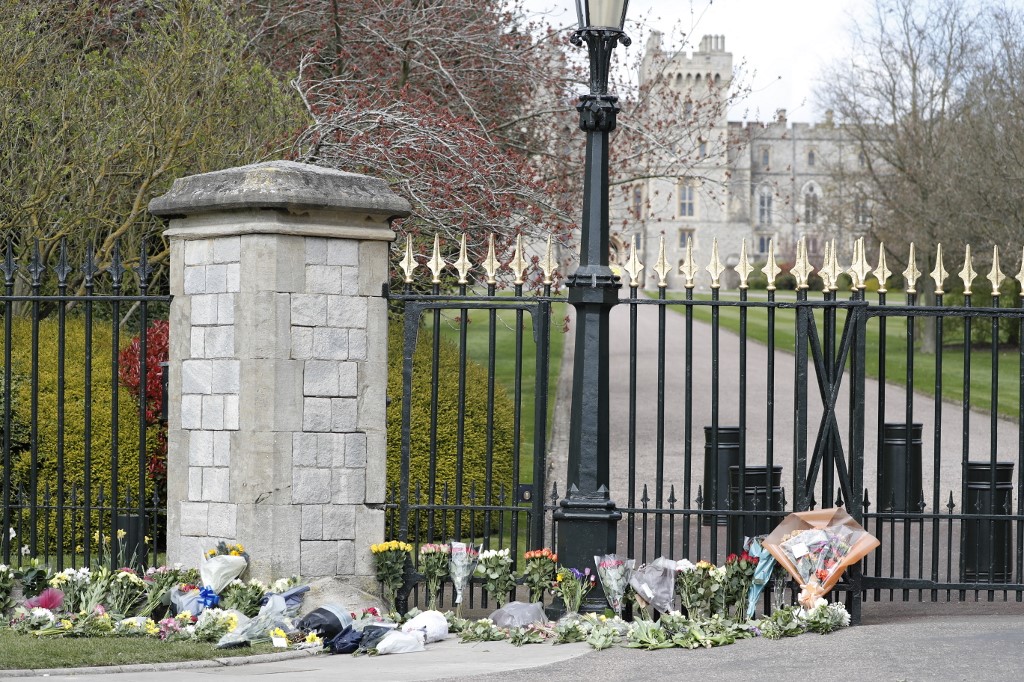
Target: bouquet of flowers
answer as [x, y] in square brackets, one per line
[461, 566]
[390, 558]
[539, 572]
[125, 590]
[138, 626]
[73, 583]
[571, 585]
[495, 567]
[434, 567]
[222, 564]
[213, 624]
[700, 588]
[739, 576]
[614, 574]
[816, 546]
[243, 597]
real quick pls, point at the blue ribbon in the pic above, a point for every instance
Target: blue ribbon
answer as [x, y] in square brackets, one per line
[208, 598]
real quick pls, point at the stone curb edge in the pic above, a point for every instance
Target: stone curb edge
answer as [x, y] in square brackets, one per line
[157, 667]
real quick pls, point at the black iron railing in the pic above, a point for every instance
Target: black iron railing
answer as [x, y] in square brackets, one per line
[82, 457]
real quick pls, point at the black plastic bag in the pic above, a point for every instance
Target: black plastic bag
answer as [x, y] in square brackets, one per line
[345, 642]
[372, 634]
[328, 620]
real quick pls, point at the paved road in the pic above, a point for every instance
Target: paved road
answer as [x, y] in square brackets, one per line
[727, 406]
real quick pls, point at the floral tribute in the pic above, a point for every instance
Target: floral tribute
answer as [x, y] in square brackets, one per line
[572, 585]
[495, 567]
[614, 574]
[461, 566]
[434, 567]
[539, 572]
[390, 558]
[739, 576]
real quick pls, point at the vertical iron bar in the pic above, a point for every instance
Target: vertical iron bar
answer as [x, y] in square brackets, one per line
[62, 288]
[116, 271]
[688, 423]
[631, 503]
[460, 430]
[879, 502]
[542, 335]
[856, 463]
[8, 269]
[1020, 449]
[142, 274]
[993, 432]
[412, 320]
[800, 499]
[743, 420]
[715, 483]
[908, 522]
[659, 484]
[965, 433]
[492, 322]
[829, 346]
[35, 270]
[88, 270]
[937, 448]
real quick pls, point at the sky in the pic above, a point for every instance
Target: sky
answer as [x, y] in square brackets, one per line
[785, 43]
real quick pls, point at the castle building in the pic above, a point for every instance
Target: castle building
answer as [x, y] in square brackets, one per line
[736, 180]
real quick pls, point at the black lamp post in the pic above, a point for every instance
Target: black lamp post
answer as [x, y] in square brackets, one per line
[587, 517]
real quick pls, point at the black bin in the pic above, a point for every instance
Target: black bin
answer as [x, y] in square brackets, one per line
[985, 543]
[894, 488]
[130, 550]
[728, 456]
[755, 498]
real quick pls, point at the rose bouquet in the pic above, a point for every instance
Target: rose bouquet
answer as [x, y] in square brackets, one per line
[461, 566]
[390, 558]
[539, 572]
[495, 567]
[739, 576]
[434, 567]
[614, 574]
[571, 585]
[6, 588]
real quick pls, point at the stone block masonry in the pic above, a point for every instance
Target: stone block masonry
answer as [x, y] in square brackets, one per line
[278, 366]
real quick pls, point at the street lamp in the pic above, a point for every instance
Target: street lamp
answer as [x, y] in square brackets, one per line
[587, 517]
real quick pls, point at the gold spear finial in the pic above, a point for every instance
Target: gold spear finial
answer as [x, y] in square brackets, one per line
[939, 274]
[882, 273]
[436, 263]
[715, 267]
[463, 266]
[996, 276]
[492, 263]
[830, 269]
[967, 274]
[688, 268]
[802, 269]
[549, 265]
[518, 264]
[633, 266]
[744, 268]
[860, 269]
[408, 263]
[912, 273]
[771, 268]
[661, 267]
[1020, 275]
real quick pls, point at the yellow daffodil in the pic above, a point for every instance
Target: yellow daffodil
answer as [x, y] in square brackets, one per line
[121, 532]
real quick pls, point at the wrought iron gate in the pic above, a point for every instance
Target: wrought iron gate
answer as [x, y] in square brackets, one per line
[820, 383]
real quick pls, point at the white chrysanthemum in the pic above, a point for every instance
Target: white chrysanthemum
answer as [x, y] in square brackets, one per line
[685, 565]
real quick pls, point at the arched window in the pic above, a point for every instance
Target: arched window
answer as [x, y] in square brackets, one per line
[811, 205]
[764, 206]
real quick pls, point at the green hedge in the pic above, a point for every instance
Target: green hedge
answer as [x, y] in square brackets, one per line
[74, 431]
[475, 434]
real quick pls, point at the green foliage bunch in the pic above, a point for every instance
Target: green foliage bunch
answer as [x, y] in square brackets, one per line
[474, 465]
[100, 433]
[104, 103]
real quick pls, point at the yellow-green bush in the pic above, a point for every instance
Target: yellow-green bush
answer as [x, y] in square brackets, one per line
[475, 435]
[74, 432]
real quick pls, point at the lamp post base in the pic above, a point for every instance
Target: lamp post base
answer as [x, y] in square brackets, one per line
[587, 526]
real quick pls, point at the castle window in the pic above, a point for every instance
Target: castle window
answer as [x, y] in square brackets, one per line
[764, 206]
[638, 202]
[687, 199]
[862, 160]
[810, 159]
[861, 211]
[765, 157]
[684, 237]
[702, 150]
[811, 206]
[763, 242]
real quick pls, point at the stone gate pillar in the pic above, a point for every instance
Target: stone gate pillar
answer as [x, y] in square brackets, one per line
[278, 366]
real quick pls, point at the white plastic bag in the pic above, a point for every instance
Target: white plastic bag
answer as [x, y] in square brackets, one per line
[400, 643]
[216, 572]
[432, 624]
[517, 614]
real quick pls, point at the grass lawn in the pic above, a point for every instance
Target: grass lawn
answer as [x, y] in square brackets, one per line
[28, 651]
[896, 360]
[477, 346]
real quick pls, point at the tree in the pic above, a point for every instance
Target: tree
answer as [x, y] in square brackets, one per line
[103, 104]
[931, 100]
